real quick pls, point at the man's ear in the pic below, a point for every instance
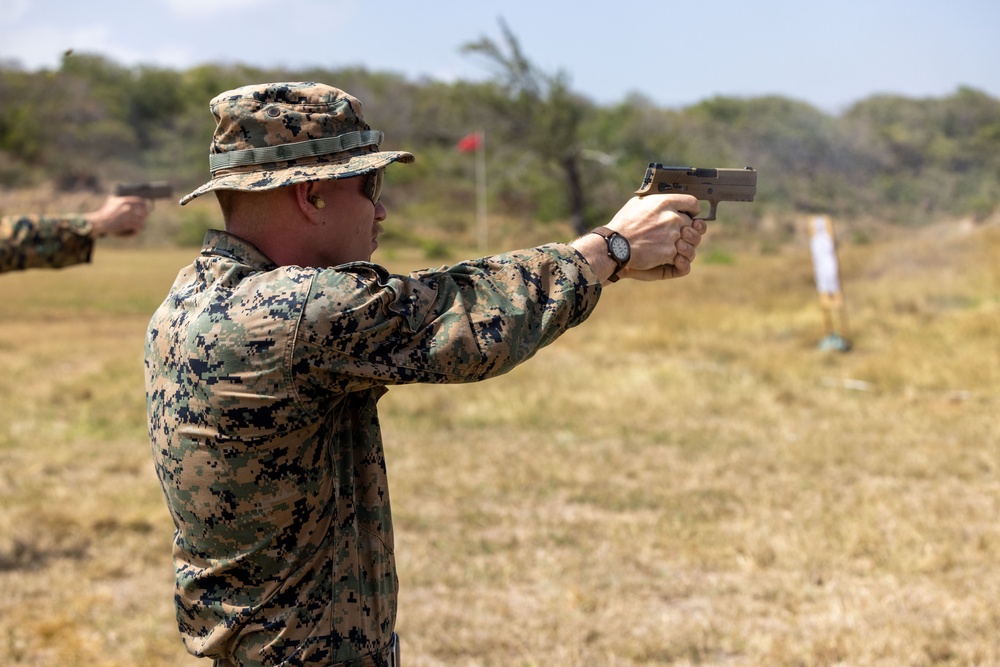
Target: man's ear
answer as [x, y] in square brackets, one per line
[309, 202]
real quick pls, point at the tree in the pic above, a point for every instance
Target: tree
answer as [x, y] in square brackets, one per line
[540, 113]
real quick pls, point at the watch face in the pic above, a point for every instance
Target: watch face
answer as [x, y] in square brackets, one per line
[620, 248]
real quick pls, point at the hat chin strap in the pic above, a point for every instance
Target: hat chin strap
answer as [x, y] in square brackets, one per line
[294, 151]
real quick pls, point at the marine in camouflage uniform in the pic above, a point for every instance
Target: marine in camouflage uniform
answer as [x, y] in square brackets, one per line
[262, 382]
[44, 242]
[53, 242]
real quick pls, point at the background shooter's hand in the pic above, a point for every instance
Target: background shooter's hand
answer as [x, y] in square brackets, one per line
[119, 216]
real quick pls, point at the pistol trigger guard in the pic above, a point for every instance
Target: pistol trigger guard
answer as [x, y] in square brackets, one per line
[711, 213]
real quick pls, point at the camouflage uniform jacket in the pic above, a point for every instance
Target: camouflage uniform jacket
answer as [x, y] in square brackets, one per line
[43, 242]
[262, 383]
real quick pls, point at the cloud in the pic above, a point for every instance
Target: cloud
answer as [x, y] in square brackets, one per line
[14, 10]
[44, 45]
[202, 9]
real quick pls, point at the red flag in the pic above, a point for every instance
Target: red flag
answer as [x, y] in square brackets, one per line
[469, 142]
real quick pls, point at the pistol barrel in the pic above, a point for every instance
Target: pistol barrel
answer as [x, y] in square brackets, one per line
[152, 190]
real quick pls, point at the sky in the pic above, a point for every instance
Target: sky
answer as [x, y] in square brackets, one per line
[827, 54]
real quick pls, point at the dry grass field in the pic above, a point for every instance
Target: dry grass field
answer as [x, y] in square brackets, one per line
[686, 479]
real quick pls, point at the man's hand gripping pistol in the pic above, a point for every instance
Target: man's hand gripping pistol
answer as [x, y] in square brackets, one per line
[712, 185]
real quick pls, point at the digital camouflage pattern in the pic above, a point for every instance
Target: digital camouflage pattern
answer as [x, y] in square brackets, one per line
[276, 134]
[262, 383]
[44, 242]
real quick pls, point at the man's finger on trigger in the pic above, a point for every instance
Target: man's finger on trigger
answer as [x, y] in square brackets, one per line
[688, 204]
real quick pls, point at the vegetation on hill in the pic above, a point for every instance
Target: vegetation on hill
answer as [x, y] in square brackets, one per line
[552, 156]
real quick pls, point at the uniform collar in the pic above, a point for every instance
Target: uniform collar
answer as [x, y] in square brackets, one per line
[223, 244]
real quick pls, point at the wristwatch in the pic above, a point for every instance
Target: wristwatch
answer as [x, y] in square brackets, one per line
[618, 249]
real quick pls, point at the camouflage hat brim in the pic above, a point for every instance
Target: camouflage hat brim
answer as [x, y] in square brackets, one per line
[264, 178]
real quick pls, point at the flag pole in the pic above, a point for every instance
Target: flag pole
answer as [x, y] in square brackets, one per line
[481, 190]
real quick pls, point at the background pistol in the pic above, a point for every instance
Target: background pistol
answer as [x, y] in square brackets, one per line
[151, 190]
[712, 185]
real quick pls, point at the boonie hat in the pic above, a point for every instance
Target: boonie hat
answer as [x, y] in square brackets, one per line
[275, 134]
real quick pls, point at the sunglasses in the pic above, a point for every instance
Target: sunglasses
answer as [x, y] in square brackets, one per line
[373, 186]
